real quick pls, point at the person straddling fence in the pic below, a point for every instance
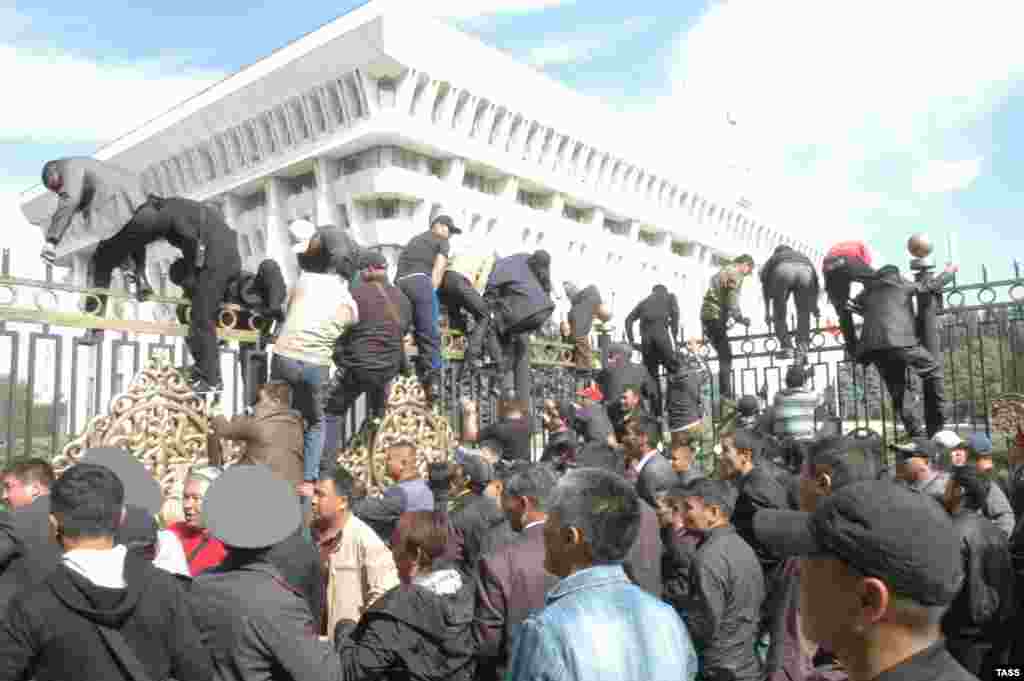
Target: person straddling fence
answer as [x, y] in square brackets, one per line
[722, 302]
[790, 273]
[658, 314]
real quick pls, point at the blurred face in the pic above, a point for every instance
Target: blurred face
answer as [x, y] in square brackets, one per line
[682, 458]
[192, 502]
[440, 229]
[745, 268]
[814, 484]
[397, 461]
[829, 600]
[552, 421]
[1015, 456]
[17, 494]
[326, 503]
[634, 441]
[984, 464]
[733, 462]
[629, 401]
[958, 457]
[698, 515]
[515, 509]
[914, 468]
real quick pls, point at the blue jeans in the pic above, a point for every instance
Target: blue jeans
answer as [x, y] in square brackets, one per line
[307, 381]
[426, 314]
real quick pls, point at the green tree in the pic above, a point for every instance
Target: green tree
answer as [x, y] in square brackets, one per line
[43, 423]
[979, 369]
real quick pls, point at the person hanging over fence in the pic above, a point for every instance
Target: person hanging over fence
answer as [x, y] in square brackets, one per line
[518, 294]
[721, 303]
[586, 304]
[889, 341]
[790, 273]
[107, 198]
[461, 292]
[845, 263]
[421, 269]
[658, 314]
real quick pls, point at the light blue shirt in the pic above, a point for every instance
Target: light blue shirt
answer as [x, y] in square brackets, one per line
[599, 626]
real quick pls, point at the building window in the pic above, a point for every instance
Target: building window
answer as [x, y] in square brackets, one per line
[617, 227]
[532, 199]
[573, 213]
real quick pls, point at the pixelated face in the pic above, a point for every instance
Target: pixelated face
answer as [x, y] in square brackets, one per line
[629, 401]
[698, 515]
[17, 494]
[326, 503]
[192, 502]
[682, 458]
[549, 416]
[440, 229]
[958, 457]
[731, 462]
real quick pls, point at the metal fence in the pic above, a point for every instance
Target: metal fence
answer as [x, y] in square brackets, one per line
[51, 384]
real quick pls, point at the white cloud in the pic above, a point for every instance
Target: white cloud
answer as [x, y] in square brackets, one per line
[585, 42]
[470, 9]
[24, 239]
[69, 99]
[564, 52]
[938, 177]
[836, 103]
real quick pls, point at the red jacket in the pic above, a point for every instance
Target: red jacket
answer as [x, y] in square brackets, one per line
[211, 555]
[850, 249]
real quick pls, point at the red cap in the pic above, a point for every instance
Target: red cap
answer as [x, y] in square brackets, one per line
[592, 392]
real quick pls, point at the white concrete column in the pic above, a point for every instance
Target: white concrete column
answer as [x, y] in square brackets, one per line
[557, 204]
[367, 86]
[517, 140]
[447, 106]
[483, 129]
[634, 231]
[464, 117]
[326, 210]
[233, 210]
[427, 99]
[278, 243]
[510, 192]
[405, 88]
[456, 172]
[503, 117]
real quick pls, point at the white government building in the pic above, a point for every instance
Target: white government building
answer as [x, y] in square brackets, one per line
[383, 119]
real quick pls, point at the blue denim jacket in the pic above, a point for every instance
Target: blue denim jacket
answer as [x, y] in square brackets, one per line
[598, 626]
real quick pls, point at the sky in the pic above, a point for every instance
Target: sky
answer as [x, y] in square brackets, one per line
[873, 119]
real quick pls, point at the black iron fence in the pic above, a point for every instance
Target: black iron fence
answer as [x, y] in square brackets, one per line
[51, 384]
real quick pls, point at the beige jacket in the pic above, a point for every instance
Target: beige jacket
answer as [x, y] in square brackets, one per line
[361, 570]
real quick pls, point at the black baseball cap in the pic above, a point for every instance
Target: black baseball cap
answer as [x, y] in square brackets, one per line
[919, 448]
[880, 529]
[446, 220]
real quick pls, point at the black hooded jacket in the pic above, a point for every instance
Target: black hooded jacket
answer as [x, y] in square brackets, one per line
[50, 631]
[420, 632]
[784, 254]
[516, 290]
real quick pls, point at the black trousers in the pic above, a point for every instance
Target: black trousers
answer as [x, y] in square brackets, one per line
[801, 282]
[339, 396]
[840, 273]
[718, 336]
[893, 364]
[459, 297]
[174, 218]
[656, 348]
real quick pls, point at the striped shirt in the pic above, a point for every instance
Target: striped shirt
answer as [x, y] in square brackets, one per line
[793, 410]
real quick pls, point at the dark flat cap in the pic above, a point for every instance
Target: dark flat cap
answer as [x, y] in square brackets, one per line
[881, 530]
[249, 507]
[140, 488]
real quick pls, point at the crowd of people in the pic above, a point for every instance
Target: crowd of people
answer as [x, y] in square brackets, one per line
[625, 551]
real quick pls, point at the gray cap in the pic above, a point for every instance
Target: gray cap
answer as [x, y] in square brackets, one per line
[249, 507]
[140, 488]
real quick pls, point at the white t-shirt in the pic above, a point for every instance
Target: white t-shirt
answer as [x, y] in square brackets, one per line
[320, 310]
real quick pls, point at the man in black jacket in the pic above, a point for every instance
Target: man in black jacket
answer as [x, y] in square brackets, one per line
[620, 373]
[104, 613]
[206, 241]
[889, 340]
[976, 623]
[790, 273]
[586, 304]
[727, 589]
[518, 294]
[654, 472]
[659, 318]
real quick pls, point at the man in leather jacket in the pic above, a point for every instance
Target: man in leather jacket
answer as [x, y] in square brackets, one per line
[845, 263]
[985, 606]
[889, 341]
[659, 318]
[789, 272]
